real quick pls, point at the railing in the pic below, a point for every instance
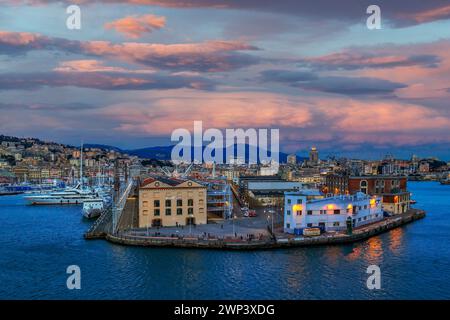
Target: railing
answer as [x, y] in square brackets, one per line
[120, 205]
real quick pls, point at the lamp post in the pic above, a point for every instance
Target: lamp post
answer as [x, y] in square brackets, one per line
[234, 232]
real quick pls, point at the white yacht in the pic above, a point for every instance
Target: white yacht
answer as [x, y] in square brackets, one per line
[75, 195]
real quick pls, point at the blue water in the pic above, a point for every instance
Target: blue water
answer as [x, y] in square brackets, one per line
[38, 243]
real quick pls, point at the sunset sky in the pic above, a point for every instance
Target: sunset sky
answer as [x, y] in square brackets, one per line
[139, 69]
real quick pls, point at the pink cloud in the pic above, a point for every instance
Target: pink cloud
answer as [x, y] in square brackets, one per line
[208, 56]
[89, 65]
[431, 15]
[136, 26]
[338, 120]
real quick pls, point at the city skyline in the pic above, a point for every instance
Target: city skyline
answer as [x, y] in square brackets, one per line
[139, 70]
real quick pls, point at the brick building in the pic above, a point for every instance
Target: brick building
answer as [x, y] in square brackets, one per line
[393, 189]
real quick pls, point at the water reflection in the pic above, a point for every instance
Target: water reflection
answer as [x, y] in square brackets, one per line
[396, 240]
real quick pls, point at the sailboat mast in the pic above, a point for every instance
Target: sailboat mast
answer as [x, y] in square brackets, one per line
[81, 166]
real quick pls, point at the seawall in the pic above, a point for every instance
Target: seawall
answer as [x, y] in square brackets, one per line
[280, 242]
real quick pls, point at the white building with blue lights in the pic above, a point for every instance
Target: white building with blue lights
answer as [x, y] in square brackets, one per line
[330, 214]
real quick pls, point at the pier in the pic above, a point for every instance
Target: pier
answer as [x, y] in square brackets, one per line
[277, 241]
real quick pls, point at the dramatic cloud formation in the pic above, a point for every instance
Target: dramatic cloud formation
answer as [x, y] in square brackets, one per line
[100, 80]
[431, 15]
[353, 60]
[94, 66]
[210, 56]
[332, 84]
[349, 120]
[309, 68]
[398, 12]
[136, 26]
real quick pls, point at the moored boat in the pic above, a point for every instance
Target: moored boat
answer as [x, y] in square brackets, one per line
[93, 208]
[69, 196]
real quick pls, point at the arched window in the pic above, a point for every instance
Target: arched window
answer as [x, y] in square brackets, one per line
[363, 186]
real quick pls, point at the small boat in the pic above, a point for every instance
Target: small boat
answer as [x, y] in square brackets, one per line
[412, 201]
[445, 182]
[93, 208]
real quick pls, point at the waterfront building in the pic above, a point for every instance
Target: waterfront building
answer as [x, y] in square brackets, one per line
[330, 214]
[171, 202]
[292, 159]
[393, 189]
[219, 198]
[270, 193]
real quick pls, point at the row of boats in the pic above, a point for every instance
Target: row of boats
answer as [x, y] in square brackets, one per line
[94, 200]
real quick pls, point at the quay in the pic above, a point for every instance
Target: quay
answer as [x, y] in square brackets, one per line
[122, 229]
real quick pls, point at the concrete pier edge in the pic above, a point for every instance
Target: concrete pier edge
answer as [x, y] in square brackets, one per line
[271, 244]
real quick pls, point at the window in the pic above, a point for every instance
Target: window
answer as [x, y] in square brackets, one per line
[299, 201]
[179, 202]
[309, 212]
[168, 203]
[156, 212]
[190, 210]
[363, 186]
[309, 225]
[190, 202]
[337, 211]
[299, 213]
[179, 211]
[289, 201]
[335, 224]
[288, 212]
[156, 203]
[288, 225]
[168, 211]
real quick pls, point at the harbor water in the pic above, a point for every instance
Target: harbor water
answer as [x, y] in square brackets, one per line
[38, 243]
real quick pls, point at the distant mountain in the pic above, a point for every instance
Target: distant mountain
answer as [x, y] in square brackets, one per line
[102, 146]
[158, 153]
[165, 153]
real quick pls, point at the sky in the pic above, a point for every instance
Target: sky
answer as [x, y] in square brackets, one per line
[139, 69]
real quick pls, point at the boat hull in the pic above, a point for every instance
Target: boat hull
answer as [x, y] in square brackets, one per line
[40, 201]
